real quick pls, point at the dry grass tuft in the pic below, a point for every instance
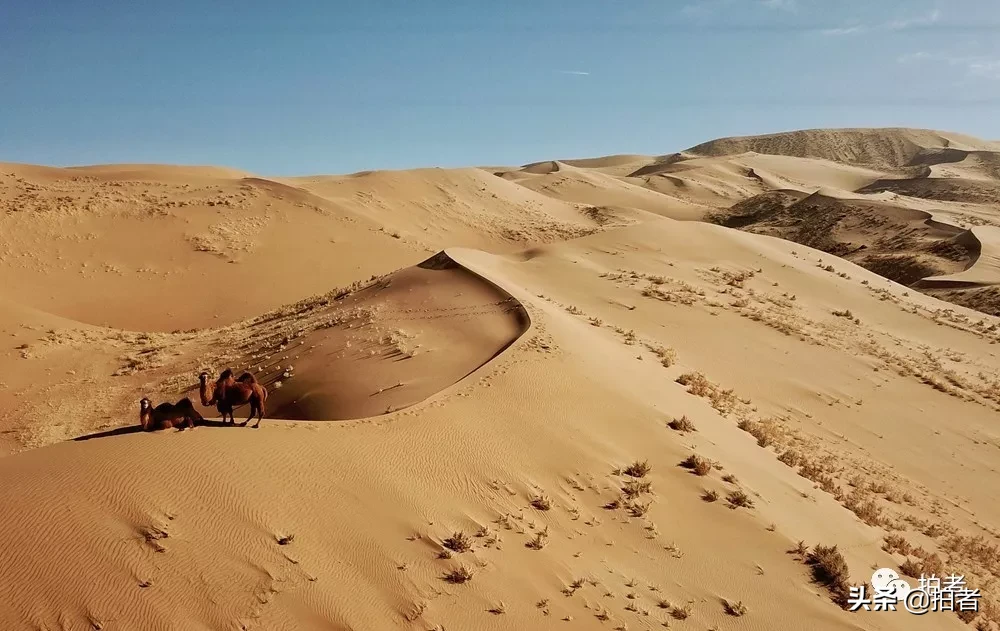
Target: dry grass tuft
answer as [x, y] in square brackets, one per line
[738, 499]
[710, 496]
[638, 469]
[735, 609]
[666, 355]
[637, 509]
[682, 424]
[541, 502]
[459, 575]
[697, 384]
[635, 488]
[896, 543]
[499, 609]
[830, 569]
[538, 541]
[865, 508]
[681, 613]
[697, 464]
[458, 542]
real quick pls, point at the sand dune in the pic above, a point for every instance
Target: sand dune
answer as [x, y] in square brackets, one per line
[392, 344]
[611, 414]
[877, 148]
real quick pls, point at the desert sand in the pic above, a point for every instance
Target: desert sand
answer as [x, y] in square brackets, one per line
[630, 392]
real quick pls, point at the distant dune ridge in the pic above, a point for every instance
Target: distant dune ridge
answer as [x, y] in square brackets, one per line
[606, 393]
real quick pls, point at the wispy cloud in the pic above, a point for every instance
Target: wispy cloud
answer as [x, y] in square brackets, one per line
[712, 7]
[845, 30]
[901, 24]
[577, 73]
[986, 68]
[977, 66]
[781, 5]
[920, 20]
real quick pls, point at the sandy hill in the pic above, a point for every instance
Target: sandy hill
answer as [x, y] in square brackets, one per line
[879, 148]
[900, 202]
[559, 396]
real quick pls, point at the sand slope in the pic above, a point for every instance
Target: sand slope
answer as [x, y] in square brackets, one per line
[486, 352]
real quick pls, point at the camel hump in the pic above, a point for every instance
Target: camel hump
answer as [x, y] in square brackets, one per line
[184, 404]
[247, 378]
[226, 374]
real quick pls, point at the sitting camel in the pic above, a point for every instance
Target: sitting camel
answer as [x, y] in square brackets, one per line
[228, 392]
[167, 415]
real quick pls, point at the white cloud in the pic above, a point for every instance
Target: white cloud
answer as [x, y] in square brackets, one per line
[697, 8]
[922, 20]
[974, 66]
[845, 30]
[912, 57]
[897, 25]
[986, 68]
[782, 5]
[578, 73]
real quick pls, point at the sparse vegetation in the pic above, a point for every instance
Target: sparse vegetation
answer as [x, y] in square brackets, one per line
[459, 575]
[696, 384]
[538, 541]
[637, 509]
[697, 464]
[638, 469]
[682, 424]
[635, 488]
[499, 609]
[738, 499]
[710, 496]
[541, 502]
[667, 356]
[681, 613]
[830, 569]
[458, 542]
[735, 609]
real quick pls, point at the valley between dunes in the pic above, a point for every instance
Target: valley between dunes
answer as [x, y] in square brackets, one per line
[630, 392]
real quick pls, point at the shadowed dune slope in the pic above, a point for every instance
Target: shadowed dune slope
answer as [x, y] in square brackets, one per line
[389, 345]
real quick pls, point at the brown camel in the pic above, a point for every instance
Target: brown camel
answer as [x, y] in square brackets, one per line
[228, 392]
[167, 415]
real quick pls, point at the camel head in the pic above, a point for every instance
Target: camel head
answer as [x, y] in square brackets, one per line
[145, 404]
[203, 378]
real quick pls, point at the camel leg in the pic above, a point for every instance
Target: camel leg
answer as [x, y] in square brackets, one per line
[260, 414]
[190, 421]
[253, 408]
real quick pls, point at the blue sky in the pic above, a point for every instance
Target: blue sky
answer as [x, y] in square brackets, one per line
[333, 87]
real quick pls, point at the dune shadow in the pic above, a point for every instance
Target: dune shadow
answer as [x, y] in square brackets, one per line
[135, 429]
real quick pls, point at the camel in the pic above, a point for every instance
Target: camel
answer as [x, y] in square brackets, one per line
[167, 415]
[228, 392]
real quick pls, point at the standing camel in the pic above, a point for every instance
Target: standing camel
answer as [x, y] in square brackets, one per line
[167, 415]
[228, 392]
